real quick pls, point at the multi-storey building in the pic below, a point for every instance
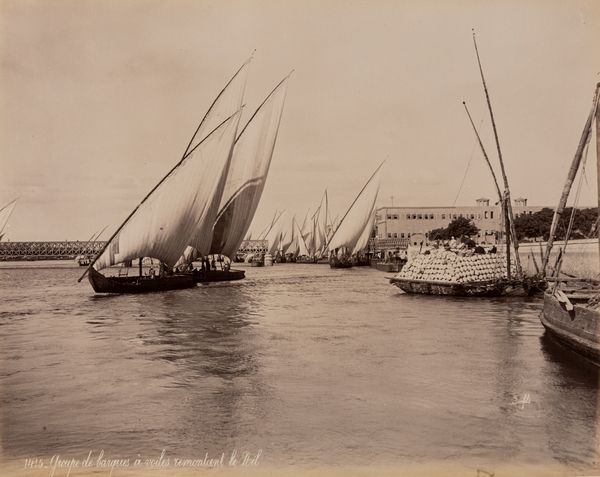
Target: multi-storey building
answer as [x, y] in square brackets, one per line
[413, 224]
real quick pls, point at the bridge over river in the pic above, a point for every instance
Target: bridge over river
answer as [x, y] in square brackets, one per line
[47, 250]
[69, 250]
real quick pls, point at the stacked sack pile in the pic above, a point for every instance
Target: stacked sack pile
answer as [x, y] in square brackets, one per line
[448, 266]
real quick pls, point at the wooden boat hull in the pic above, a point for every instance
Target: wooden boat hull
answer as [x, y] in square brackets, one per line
[337, 263]
[393, 267]
[362, 262]
[102, 284]
[579, 328]
[480, 289]
[218, 275]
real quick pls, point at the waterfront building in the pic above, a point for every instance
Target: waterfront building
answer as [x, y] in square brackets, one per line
[397, 227]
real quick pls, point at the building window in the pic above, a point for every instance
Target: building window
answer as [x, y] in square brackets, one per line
[478, 216]
[389, 217]
[395, 217]
[414, 216]
[431, 216]
[443, 216]
[408, 216]
[453, 216]
[395, 235]
[529, 212]
[491, 214]
[472, 216]
[402, 235]
[389, 234]
[485, 215]
[419, 216]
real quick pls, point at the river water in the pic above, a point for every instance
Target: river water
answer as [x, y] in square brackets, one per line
[301, 363]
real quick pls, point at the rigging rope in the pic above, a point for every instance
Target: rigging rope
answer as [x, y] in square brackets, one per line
[559, 259]
[467, 169]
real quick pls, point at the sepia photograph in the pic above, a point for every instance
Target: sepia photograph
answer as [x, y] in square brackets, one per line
[288, 238]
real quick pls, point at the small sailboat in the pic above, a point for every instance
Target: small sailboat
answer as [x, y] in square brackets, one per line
[354, 229]
[5, 213]
[571, 311]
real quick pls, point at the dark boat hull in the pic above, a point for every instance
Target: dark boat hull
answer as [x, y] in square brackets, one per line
[218, 275]
[102, 284]
[337, 263]
[579, 328]
[393, 267]
[480, 289]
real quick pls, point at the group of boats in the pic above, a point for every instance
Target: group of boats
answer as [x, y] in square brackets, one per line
[195, 218]
[341, 243]
[204, 206]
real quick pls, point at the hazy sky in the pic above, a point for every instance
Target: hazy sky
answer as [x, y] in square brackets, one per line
[99, 99]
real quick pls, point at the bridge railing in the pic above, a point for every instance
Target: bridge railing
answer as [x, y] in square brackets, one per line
[47, 250]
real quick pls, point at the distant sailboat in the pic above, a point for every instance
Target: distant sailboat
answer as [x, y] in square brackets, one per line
[352, 234]
[5, 213]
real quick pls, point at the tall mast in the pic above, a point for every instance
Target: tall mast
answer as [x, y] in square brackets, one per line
[505, 179]
[585, 138]
[487, 159]
[187, 149]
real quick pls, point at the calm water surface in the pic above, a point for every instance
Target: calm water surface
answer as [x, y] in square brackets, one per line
[310, 365]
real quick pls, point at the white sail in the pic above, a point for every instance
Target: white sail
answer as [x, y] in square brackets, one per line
[275, 234]
[248, 173]
[293, 246]
[363, 240]
[287, 239]
[5, 213]
[302, 247]
[321, 240]
[185, 202]
[352, 226]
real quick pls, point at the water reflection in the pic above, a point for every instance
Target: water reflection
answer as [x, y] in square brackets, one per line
[209, 337]
[576, 404]
[314, 366]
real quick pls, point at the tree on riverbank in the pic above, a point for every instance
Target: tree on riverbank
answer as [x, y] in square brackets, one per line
[459, 227]
[538, 224]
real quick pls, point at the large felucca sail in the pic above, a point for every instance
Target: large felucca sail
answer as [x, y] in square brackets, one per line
[349, 237]
[184, 202]
[252, 156]
[5, 213]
